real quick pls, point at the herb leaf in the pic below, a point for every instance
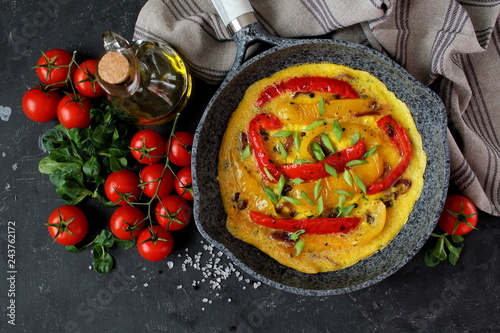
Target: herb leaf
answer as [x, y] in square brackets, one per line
[282, 134]
[317, 151]
[246, 152]
[321, 106]
[337, 130]
[282, 150]
[292, 200]
[327, 142]
[314, 124]
[304, 196]
[331, 170]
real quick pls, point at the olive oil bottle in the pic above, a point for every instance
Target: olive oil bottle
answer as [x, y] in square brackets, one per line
[148, 80]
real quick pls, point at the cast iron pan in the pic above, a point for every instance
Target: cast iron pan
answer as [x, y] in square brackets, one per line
[430, 118]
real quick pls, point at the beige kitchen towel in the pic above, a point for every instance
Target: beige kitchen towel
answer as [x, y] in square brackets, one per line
[450, 45]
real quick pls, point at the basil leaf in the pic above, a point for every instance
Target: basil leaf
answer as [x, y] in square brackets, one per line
[73, 249]
[124, 244]
[454, 252]
[439, 251]
[103, 261]
[92, 168]
[429, 258]
[105, 238]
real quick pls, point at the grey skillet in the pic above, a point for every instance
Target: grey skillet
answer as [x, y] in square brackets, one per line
[210, 217]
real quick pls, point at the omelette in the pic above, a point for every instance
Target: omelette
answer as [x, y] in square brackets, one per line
[320, 167]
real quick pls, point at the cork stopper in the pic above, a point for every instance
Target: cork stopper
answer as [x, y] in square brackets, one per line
[113, 68]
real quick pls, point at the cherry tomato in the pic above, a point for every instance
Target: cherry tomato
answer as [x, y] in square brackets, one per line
[147, 146]
[155, 243]
[53, 66]
[85, 79]
[127, 222]
[180, 150]
[150, 176]
[74, 111]
[183, 183]
[39, 105]
[68, 225]
[459, 215]
[120, 185]
[173, 213]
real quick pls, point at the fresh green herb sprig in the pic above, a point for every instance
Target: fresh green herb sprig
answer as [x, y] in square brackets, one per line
[299, 243]
[79, 159]
[102, 261]
[439, 253]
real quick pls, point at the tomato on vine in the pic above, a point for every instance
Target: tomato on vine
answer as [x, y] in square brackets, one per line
[458, 218]
[67, 225]
[122, 186]
[85, 80]
[155, 243]
[74, 111]
[151, 176]
[53, 67]
[147, 146]
[40, 104]
[183, 183]
[173, 213]
[180, 148]
[127, 222]
[459, 215]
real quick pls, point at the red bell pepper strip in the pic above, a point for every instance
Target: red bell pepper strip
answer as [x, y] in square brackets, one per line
[257, 125]
[311, 226]
[315, 171]
[399, 138]
[307, 83]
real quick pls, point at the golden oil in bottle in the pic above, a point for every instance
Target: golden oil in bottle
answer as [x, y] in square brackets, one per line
[148, 80]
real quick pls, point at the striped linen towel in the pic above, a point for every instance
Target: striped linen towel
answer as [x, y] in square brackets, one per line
[453, 46]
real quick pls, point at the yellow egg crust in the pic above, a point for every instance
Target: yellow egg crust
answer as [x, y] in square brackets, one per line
[243, 187]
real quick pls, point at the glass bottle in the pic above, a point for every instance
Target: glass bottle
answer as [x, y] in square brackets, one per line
[148, 80]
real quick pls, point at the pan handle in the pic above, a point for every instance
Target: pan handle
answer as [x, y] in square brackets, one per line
[236, 14]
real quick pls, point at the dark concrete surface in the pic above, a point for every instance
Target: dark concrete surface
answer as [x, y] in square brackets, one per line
[196, 289]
